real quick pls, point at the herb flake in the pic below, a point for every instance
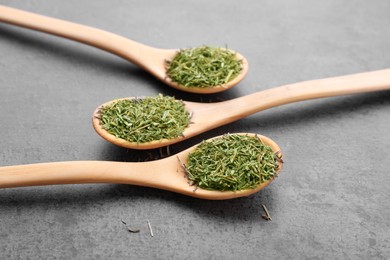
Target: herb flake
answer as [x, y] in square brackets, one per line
[144, 120]
[204, 67]
[232, 162]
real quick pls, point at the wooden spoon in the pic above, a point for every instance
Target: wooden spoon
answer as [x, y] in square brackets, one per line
[206, 116]
[150, 59]
[166, 174]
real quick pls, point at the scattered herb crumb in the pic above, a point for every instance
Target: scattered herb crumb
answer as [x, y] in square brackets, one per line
[133, 230]
[130, 229]
[144, 120]
[232, 162]
[266, 216]
[150, 229]
[204, 67]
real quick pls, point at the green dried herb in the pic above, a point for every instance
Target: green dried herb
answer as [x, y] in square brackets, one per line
[145, 119]
[204, 67]
[232, 162]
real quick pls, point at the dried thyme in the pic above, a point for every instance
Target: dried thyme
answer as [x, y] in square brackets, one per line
[150, 229]
[145, 119]
[232, 162]
[266, 216]
[204, 67]
[130, 229]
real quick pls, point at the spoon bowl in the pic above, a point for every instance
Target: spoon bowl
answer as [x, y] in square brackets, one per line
[206, 116]
[167, 174]
[149, 58]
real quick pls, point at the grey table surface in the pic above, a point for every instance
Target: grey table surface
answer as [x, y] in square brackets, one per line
[331, 200]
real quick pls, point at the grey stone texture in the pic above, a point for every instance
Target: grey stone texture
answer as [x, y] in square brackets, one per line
[331, 200]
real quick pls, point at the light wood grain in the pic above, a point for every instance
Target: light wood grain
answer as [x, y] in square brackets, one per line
[149, 58]
[166, 174]
[206, 116]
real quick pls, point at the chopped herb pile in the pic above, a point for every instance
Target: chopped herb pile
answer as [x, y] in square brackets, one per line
[232, 162]
[204, 67]
[145, 119]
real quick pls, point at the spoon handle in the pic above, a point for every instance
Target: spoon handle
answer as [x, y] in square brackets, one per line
[75, 172]
[130, 50]
[328, 87]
